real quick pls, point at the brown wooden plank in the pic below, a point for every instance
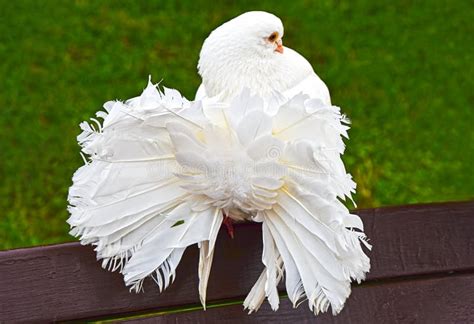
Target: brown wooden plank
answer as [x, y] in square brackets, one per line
[448, 299]
[62, 282]
[417, 239]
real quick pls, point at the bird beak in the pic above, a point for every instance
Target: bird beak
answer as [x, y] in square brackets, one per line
[279, 48]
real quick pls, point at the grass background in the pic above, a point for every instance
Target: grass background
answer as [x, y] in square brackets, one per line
[402, 71]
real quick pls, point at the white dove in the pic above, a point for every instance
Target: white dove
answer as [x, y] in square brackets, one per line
[163, 173]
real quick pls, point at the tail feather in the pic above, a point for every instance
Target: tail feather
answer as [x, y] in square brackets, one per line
[161, 171]
[269, 257]
[320, 255]
[127, 201]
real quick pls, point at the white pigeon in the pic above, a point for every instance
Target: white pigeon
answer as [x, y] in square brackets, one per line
[261, 143]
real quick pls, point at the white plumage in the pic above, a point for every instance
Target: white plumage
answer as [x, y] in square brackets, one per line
[261, 142]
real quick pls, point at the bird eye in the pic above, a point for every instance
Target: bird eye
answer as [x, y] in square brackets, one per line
[273, 37]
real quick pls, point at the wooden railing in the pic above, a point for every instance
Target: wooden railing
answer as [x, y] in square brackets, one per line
[422, 271]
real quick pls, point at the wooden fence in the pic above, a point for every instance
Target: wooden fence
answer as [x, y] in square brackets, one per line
[422, 271]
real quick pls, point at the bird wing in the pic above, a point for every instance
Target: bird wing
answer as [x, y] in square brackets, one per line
[201, 92]
[301, 78]
[313, 86]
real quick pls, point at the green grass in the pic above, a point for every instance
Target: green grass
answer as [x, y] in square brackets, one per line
[403, 72]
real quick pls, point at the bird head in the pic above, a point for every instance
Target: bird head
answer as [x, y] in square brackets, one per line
[240, 51]
[255, 32]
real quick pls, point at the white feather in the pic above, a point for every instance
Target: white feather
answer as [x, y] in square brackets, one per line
[269, 259]
[262, 142]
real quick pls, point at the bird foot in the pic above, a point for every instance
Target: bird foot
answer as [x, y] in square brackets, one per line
[229, 225]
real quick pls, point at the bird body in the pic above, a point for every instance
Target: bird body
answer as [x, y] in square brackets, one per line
[164, 172]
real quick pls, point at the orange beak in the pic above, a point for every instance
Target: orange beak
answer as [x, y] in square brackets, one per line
[279, 48]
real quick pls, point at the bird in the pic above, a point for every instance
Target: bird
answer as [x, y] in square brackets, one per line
[260, 142]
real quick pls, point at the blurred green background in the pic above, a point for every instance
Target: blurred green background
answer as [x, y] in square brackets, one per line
[402, 71]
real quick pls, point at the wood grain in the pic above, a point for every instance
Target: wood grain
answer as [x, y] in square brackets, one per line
[435, 300]
[64, 282]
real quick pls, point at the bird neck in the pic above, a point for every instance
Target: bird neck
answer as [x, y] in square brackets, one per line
[226, 73]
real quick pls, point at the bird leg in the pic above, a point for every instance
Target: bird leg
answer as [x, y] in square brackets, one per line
[229, 224]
